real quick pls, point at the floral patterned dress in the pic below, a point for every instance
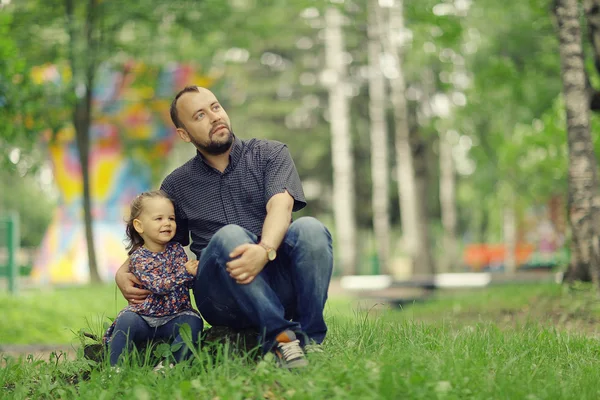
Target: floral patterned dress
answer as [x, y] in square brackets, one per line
[163, 274]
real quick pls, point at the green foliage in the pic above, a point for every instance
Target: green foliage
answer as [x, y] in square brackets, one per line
[18, 95]
[26, 196]
[269, 57]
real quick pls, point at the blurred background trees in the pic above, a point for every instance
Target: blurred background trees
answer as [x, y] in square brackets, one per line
[419, 128]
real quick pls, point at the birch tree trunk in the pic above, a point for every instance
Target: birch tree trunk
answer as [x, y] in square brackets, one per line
[341, 150]
[410, 212]
[583, 180]
[379, 148]
[592, 13]
[447, 204]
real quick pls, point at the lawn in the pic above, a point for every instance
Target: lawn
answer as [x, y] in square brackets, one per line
[520, 342]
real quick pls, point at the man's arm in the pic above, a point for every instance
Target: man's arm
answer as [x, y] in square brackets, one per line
[253, 257]
[283, 194]
[125, 281]
[277, 221]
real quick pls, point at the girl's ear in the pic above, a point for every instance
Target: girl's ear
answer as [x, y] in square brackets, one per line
[137, 225]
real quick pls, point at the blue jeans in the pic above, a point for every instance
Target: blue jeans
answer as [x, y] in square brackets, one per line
[289, 293]
[131, 329]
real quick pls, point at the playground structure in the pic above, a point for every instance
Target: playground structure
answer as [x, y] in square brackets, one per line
[130, 137]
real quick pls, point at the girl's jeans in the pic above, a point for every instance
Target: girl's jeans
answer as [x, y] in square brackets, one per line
[131, 329]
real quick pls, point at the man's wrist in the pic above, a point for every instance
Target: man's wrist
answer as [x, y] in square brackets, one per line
[271, 252]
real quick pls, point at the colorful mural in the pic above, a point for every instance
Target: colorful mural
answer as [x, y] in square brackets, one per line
[130, 137]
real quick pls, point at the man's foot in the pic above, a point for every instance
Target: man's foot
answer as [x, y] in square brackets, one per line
[288, 351]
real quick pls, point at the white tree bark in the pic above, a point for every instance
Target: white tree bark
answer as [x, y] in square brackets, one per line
[379, 148]
[583, 201]
[341, 149]
[410, 211]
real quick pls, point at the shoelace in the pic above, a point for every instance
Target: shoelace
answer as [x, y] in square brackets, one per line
[291, 350]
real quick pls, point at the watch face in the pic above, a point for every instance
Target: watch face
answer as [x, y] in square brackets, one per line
[271, 254]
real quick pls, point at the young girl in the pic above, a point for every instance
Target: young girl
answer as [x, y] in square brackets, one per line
[162, 268]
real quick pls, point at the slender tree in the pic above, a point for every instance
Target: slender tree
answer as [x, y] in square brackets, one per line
[341, 145]
[583, 200]
[413, 229]
[378, 134]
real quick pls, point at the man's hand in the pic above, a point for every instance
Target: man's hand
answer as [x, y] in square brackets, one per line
[192, 267]
[247, 261]
[125, 280]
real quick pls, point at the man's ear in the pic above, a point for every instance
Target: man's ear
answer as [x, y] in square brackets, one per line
[183, 135]
[137, 225]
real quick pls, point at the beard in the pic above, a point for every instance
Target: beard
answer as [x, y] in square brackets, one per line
[215, 148]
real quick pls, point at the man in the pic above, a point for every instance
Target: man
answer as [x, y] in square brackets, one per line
[257, 269]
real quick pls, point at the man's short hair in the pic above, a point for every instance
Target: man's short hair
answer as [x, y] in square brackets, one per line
[174, 115]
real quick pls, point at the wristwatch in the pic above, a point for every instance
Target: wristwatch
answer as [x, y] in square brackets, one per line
[271, 253]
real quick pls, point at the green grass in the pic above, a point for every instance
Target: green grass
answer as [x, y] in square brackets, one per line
[458, 346]
[51, 316]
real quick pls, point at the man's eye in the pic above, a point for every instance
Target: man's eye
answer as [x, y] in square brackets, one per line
[216, 108]
[200, 116]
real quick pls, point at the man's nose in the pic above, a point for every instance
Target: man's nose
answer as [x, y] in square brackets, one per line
[214, 117]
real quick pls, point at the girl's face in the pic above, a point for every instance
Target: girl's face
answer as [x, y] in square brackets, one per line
[156, 223]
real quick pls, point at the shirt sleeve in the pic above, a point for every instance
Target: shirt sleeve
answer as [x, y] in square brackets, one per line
[281, 175]
[182, 233]
[155, 274]
[180, 258]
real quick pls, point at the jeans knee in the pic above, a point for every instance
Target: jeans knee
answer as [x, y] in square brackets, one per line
[196, 325]
[130, 324]
[311, 232]
[229, 237]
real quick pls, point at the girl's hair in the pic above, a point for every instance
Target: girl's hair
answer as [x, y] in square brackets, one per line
[134, 239]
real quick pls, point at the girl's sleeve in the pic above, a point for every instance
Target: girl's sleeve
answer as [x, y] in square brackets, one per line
[155, 276]
[180, 259]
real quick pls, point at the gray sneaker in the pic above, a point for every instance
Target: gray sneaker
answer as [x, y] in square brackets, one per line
[288, 351]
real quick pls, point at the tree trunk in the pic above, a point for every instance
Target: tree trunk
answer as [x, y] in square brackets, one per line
[420, 156]
[583, 180]
[82, 120]
[342, 158]
[509, 231]
[447, 204]
[83, 71]
[592, 13]
[379, 148]
[407, 190]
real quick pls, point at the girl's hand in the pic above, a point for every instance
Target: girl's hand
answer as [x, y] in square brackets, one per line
[192, 267]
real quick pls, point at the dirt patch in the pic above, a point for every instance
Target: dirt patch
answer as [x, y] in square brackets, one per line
[564, 314]
[36, 352]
